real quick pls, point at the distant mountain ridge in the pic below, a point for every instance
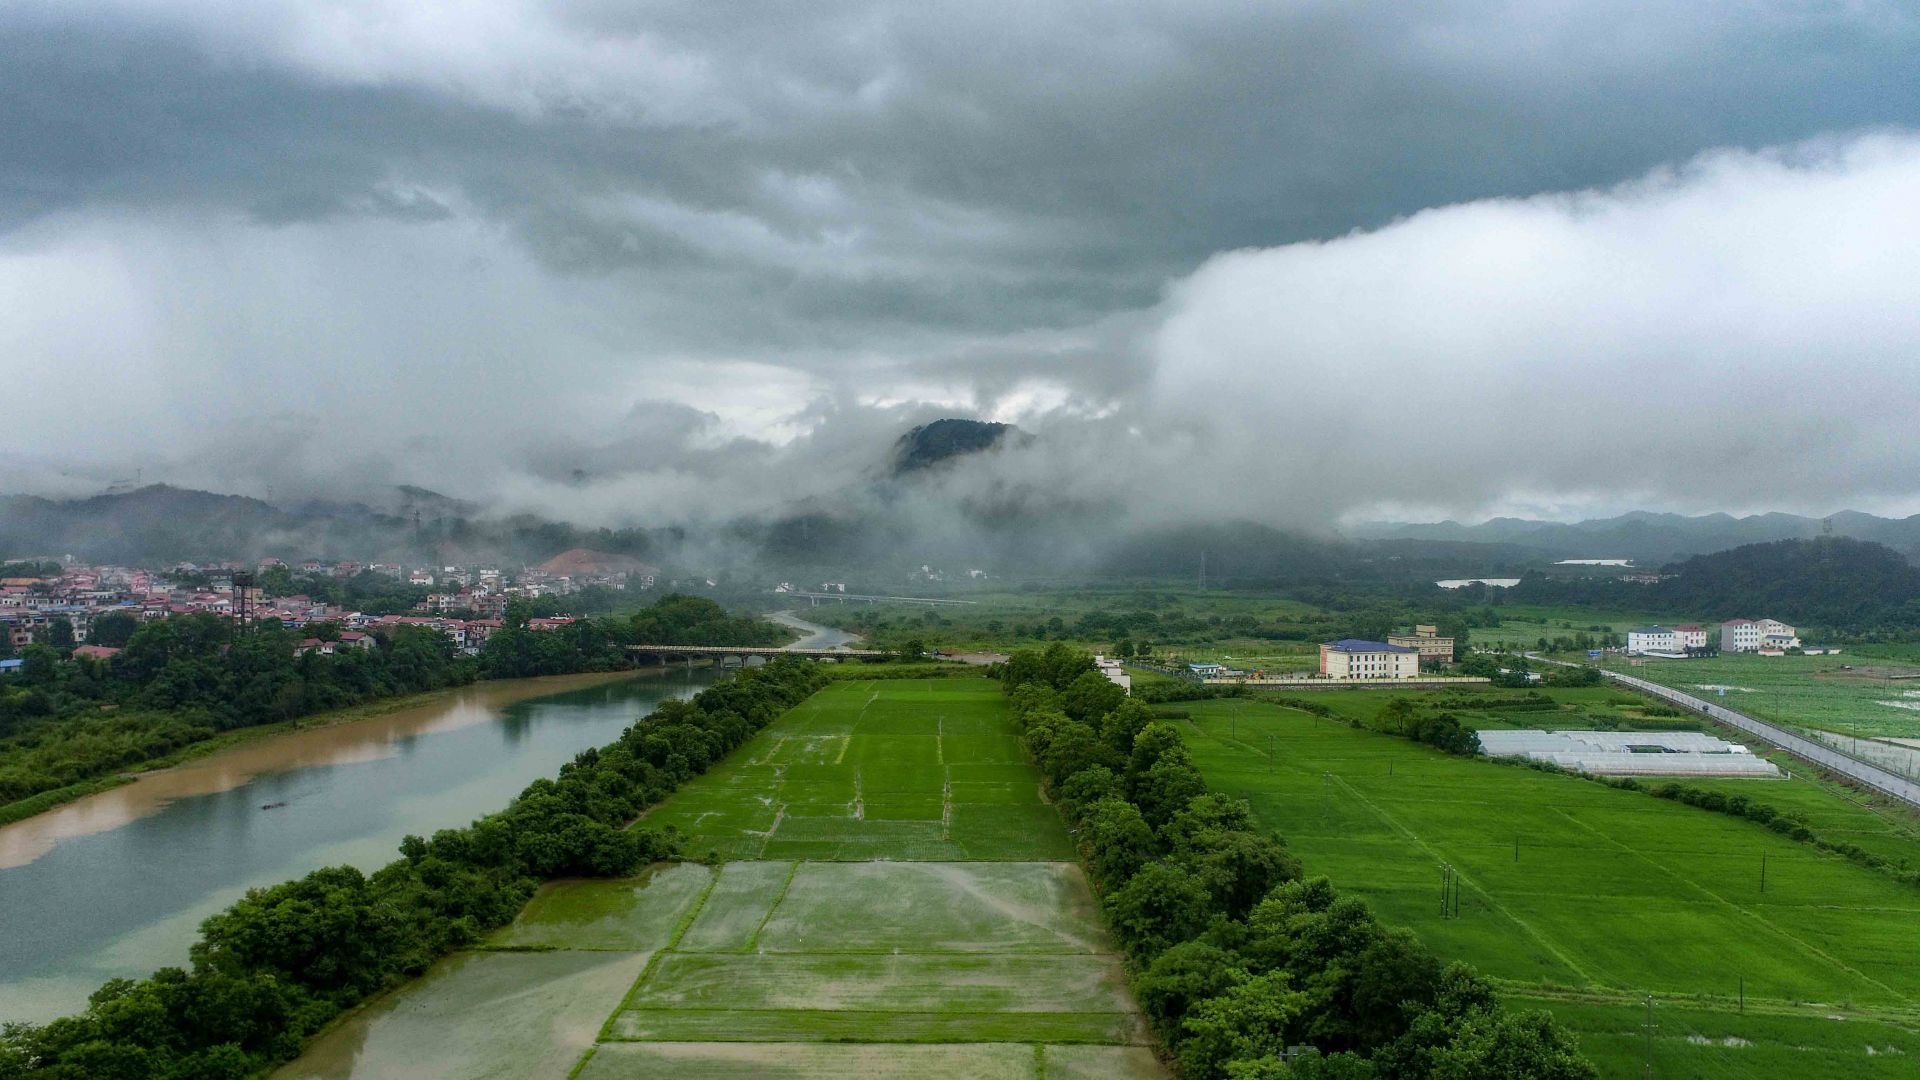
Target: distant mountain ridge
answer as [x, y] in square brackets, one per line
[1654, 538]
[160, 524]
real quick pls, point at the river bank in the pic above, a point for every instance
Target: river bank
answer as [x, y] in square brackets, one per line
[116, 884]
[33, 806]
[233, 758]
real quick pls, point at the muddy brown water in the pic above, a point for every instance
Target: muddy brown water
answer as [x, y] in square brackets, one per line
[116, 884]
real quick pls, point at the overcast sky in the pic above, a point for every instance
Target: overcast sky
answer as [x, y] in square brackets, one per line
[638, 261]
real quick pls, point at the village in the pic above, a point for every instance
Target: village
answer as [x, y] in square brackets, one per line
[466, 603]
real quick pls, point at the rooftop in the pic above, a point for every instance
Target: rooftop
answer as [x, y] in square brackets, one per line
[1357, 645]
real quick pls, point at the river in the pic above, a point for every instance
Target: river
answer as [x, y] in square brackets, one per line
[117, 884]
[812, 635]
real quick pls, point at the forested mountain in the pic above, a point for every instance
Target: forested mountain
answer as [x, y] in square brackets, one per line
[943, 440]
[1831, 581]
[1651, 538]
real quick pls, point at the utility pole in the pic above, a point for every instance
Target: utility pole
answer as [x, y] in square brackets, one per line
[1763, 871]
[1648, 1069]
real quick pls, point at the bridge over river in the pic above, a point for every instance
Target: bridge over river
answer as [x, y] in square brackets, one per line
[721, 652]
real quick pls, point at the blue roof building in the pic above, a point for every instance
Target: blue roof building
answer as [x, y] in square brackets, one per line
[1356, 658]
[1357, 645]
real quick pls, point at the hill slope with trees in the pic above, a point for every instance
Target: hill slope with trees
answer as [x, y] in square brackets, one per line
[1830, 581]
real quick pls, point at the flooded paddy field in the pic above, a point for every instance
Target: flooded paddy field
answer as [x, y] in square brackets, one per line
[944, 935]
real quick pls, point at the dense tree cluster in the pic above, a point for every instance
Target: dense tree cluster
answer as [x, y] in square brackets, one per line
[1443, 730]
[373, 593]
[276, 966]
[1247, 970]
[1143, 623]
[1832, 581]
[183, 680]
[1842, 588]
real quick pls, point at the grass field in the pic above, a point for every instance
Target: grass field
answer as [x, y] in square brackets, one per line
[893, 899]
[1590, 897]
[922, 770]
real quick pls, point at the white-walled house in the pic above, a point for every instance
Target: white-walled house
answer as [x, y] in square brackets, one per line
[1654, 640]
[1753, 635]
[1351, 658]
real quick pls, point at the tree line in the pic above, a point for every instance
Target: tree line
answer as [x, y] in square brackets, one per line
[178, 681]
[1238, 960]
[282, 962]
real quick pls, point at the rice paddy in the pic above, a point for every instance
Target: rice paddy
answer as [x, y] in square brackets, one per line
[1584, 899]
[891, 897]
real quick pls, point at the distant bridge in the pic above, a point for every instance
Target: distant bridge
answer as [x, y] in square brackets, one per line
[814, 598]
[663, 653]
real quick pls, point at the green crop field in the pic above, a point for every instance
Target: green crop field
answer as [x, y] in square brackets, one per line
[1589, 897]
[893, 898]
[1845, 694]
[923, 770]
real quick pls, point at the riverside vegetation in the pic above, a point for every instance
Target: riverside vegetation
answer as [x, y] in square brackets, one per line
[1238, 959]
[68, 722]
[282, 962]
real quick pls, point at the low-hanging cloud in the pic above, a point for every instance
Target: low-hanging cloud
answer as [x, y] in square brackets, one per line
[1739, 331]
[649, 263]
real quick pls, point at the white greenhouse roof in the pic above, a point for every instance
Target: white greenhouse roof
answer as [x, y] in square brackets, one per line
[1630, 753]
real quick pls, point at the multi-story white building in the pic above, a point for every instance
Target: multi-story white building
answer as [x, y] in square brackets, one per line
[1351, 658]
[1753, 635]
[1775, 634]
[1739, 635]
[1691, 635]
[1655, 640]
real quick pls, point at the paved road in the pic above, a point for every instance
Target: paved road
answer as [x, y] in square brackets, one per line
[1872, 776]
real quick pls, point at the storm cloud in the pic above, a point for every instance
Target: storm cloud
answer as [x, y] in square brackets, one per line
[655, 262]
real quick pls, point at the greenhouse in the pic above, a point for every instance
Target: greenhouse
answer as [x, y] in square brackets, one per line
[1630, 753]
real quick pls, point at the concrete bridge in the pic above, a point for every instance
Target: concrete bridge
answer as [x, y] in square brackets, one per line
[664, 653]
[815, 599]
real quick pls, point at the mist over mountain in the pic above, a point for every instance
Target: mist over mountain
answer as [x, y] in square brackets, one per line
[943, 440]
[159, 524]
[947, 498]
[1653, 538]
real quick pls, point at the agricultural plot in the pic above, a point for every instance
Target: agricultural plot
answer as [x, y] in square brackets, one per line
[909, 770]
[477, 1016]
[1815, 692]
[888, 952]
[1569, 884]
[1713, 1044]
[964, 946]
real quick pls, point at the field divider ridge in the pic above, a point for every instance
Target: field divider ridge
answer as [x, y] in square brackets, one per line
[653, 960]
[753, 942]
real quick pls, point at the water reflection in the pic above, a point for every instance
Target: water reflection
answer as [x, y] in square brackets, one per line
[116, 885]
